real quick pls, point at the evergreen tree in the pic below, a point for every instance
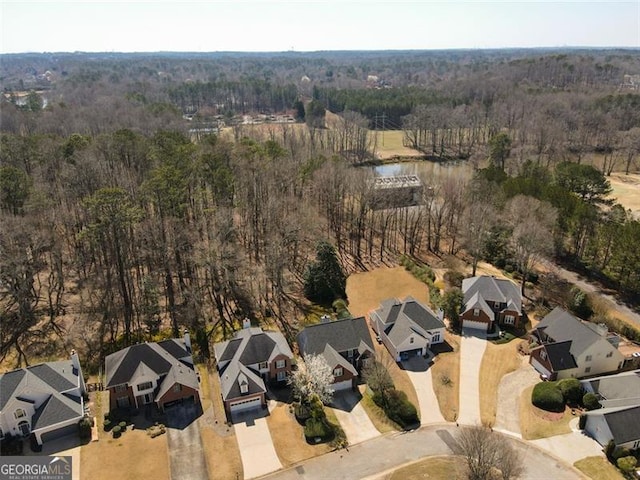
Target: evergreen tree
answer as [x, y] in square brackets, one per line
[324, 280]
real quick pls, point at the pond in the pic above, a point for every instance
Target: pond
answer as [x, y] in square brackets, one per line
[423, 168]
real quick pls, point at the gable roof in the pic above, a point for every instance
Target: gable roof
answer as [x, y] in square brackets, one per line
[334, 359]
[401, 319]
[229, 381]
[342, 335]
[51, 381]
[251, 346]
[492, 289]
[624, 424]
[559, 355]
[179, 373]
[621, 388]
[121, 366]
[561, 326]
[477, 301]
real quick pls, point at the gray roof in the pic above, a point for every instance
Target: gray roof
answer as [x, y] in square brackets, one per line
[617, 388]
[342, 335]
[559, 355]
[53, 381]
[477, 301]
[179, 373]
[624, 424]
[561, 326]
[401, 319]
[252, 345]
[492, 289]
[229, 381]
[159, 357]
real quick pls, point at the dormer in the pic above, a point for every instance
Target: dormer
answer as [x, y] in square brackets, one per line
[243, 384]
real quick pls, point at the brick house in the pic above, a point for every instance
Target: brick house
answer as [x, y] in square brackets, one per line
[489, 301]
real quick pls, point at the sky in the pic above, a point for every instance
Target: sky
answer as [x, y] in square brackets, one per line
[209, 26]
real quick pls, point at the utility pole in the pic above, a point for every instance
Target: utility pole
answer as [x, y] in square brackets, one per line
[383, 118]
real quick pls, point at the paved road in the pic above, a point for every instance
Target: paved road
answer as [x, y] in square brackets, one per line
[186, 455]
[509, 391]
[420, 375]
[373, 458]
[257, 452]
[588, 287]
[354, 420]
[472, 346]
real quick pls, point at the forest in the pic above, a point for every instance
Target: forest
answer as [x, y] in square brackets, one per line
[118, 224]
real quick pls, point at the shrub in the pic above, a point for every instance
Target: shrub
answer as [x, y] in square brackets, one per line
[123, 426]
[590, 401]
[84, 428]
[454, 278]
[547, 396]
[580, 304]
[302, 411]
[571, 389]
[609, 449]
[401, 410]
[582, 422]
[627, 464]
[317, 427]
[107, 425]
[116, 431]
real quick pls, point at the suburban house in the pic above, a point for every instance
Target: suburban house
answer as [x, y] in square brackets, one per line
[570, 347]
[488, 301]
[159, 373]
[251, 358]
[406, 328]
[619, 390]
[345, 345]
[42, 400]
[620, 424]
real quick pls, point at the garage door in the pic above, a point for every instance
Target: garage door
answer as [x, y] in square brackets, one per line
[540, 368]
[475, 325]
[410, 353]
[342, 385]
[60, 432]
[243, 405]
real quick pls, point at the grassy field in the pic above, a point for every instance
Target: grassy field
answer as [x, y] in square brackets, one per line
[432, 468]
[598, 468]
[536, 423]
[389, 145]
[288, 437]
[626, 191]
[447, 365]
[498, 360]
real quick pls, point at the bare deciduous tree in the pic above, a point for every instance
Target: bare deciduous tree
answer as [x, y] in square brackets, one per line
[486, 452]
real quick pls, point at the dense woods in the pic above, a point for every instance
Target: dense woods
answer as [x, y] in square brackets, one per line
[119, 224]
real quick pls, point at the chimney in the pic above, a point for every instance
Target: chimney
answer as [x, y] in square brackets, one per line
[325, 319]
[246, 323]
[187, 340]
[75, 361]
[441, 315]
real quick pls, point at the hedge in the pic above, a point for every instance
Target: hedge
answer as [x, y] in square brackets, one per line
[590, 401]
[547, 396]
[571, 389]
[398, 408]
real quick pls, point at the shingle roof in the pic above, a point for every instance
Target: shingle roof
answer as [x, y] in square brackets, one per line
[559, 355]
[252, 345]
[56, 409]
[624, 424]
[476, 301]
[54, 378]
[561, 326]
[334, 359]
[159, 357]
[401, 319]
[179, 373]
[492, 289]
[619, 387]
[342, 335]
[8, 384]
[230, 388]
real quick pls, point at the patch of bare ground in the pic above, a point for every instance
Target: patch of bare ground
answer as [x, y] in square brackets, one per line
[498, 360]
[446, 377]
[288, 437]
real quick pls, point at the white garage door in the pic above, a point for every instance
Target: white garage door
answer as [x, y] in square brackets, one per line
[475, 325]
[243, 405]
[342, 385]
[541, 369]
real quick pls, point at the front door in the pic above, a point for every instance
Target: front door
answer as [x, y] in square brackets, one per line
[24, 428]
[148, 398]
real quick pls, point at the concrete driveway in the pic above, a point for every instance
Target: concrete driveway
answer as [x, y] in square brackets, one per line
[257, 452]
[420, 375]
[354, 420]
[509, 391]
[186, 454]
[570, 447]
[472, 346]
[68, 446]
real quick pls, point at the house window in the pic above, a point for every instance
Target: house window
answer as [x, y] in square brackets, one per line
[436, 337]
[123, 402]
[509, 319]
[587, 370]
[411, 340]
[244, 388]
[144, 386]
[177, 387]
[610, 354]
[476, 312]
[636, 445]
[337, 372]
[281, 376]
[263, 366]
[543, 354]
[588, 358]
[280, 364]
[121, 388]
[19, 413]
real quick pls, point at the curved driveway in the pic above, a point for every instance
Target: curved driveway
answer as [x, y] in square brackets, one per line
[375, 458]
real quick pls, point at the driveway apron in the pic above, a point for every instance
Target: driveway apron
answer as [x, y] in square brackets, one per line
[186, 455]
[257, 452]
[354, 420]
[472, 349]
[420, 375]
[509, 391]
